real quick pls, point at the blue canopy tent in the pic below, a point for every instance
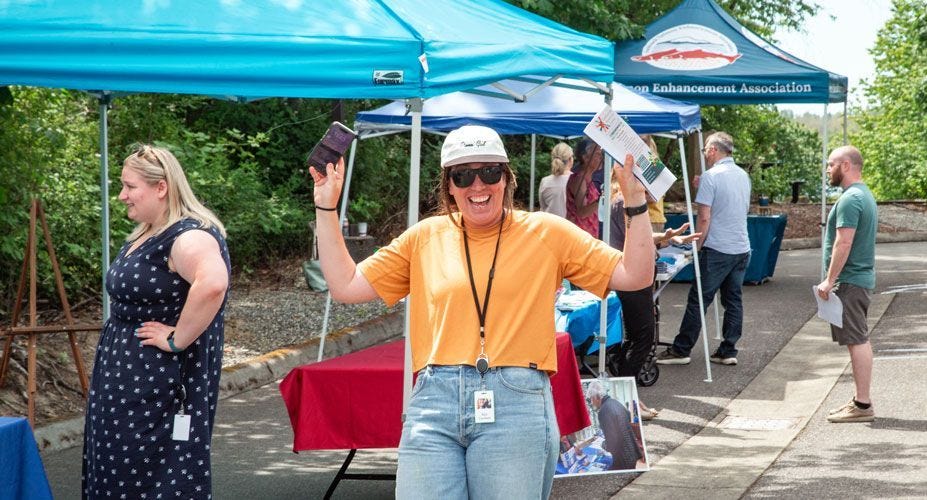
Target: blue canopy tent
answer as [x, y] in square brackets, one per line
[699, 53]
[411, 49]
[559, 110]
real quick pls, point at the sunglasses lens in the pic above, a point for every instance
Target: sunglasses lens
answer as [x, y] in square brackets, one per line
[491, 174]
[464, 177]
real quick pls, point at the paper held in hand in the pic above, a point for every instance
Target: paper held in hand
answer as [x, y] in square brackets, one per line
[830, 310]
[617, 138]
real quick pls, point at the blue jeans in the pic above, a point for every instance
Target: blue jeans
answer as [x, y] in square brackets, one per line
[719, 271]
[443, 454]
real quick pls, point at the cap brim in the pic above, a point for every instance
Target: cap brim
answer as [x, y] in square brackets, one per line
[475, 158]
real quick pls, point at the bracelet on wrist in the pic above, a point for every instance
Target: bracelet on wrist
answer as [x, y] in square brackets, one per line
[632, 211]
[170, 342]
[326, 209]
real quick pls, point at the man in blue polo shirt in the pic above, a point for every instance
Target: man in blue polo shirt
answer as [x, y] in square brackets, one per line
[723, 202]
[849, 253]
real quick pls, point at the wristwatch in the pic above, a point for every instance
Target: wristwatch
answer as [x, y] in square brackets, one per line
[632, 211]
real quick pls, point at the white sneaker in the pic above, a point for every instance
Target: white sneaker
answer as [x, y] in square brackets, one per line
[723, 360]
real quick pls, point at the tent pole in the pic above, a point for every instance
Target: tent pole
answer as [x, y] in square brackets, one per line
[845, 138]
[415, 106]
[717, 308]
[534, 143]
[823, 189]
[605, 213]
[343, 215]
[698, 274]
[105, 99]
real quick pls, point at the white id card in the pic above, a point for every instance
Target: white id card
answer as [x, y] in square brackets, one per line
[485, 406]
[181, 428]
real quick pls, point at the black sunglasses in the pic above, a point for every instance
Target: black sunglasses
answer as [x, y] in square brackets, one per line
[464, 177]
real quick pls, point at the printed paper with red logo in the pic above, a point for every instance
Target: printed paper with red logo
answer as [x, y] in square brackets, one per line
[617, 138]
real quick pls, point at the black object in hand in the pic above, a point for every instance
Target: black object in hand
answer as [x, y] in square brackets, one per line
[334, 144]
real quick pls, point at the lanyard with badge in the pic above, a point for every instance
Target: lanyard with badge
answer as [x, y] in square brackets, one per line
[483, 400]
[181, 431]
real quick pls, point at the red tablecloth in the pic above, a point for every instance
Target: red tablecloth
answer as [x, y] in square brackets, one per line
[355, 401]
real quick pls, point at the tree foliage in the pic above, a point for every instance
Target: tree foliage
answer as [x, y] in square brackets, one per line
[893, 135]
[626, 19]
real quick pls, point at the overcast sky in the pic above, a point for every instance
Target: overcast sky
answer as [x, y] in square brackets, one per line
[838, 39]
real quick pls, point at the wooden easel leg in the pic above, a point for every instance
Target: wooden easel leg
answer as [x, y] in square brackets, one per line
[31, 382]
[17, 309]
[63, 297]
[79, 363]
[7, 352]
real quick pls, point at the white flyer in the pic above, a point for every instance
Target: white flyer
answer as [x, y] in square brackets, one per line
[830, 310]
[617, 138]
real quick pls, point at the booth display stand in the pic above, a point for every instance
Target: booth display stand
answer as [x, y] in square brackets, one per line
[36, 215]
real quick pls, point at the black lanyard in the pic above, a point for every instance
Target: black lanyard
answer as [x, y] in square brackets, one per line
[482, 361]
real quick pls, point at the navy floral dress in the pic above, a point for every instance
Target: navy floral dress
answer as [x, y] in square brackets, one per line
[137, 390]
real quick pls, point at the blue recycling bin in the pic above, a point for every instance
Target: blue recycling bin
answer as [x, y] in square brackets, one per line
[765, 233]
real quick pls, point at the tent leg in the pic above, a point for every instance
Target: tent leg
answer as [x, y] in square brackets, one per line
[104, 100]
[846, 139]
[533, 168]
[701, 157]
[823, 189]
[343, 215]
[698, 274]
[415, 106]
[605, 201]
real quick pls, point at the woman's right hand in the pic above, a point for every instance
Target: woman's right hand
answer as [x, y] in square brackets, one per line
[327, 188]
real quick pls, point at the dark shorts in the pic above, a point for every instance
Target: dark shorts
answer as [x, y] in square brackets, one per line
[855, 308]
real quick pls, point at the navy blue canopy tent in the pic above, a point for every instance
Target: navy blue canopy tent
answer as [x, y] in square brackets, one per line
[699, 53]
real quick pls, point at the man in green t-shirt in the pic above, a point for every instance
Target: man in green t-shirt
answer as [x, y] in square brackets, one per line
[849, 245]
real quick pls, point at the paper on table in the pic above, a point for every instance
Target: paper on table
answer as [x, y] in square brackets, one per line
[830, 310]
[617, 138]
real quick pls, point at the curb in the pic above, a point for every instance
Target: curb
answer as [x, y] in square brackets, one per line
[815, 242]
[253, 373]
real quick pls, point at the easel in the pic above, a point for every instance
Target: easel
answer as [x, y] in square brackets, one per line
[37, 213]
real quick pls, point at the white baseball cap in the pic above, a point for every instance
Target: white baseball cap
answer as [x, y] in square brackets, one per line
[472, 143]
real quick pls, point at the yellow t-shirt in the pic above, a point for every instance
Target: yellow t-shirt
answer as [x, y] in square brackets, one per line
[655, 211]
[537, 250]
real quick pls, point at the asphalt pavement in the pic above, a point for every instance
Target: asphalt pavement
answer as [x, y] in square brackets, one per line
[252, 455]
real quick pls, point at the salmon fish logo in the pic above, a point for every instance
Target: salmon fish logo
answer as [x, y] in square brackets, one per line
[689, 47]
[600, 124]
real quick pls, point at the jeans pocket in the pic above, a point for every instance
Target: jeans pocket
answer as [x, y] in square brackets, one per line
[526, 380]
[420, 381]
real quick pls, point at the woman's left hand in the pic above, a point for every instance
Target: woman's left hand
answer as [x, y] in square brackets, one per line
[155, 334]
[631, 188]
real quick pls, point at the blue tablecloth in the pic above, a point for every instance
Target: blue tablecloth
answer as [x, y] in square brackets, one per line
[22, 475]
[765, 232]
[582, 323]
